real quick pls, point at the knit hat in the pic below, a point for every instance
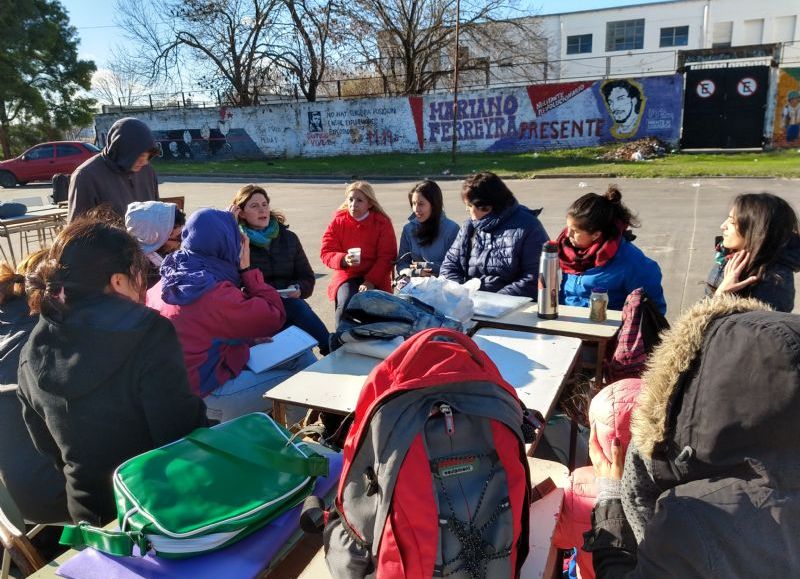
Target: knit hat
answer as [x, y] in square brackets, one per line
[150, 222]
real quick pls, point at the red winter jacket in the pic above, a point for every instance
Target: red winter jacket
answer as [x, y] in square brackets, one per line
[217, 330]
[374, 235]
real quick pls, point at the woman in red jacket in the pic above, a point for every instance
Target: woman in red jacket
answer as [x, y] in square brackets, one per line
[359, 224]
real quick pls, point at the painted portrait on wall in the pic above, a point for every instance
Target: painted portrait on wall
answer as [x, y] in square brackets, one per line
[625, 101]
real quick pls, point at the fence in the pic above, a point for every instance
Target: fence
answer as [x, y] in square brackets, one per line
[477, 74]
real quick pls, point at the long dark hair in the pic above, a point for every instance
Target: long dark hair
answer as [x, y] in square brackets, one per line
[603, 213]
[81, 262]
[767, 223]
[428, 231]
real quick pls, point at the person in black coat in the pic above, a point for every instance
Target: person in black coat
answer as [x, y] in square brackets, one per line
[35, 485]
[278, 253]
[758, 252]
[102, 377]
[499, 244]
[711, 484]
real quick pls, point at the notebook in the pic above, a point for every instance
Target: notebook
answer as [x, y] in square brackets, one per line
[285, 345]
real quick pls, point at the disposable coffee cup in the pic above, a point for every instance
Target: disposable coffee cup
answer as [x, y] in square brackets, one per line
[355, 254]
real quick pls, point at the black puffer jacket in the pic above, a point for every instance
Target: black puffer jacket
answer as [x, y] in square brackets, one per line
[105, 385]
[284, 263]
[718, 422]
[502, 250]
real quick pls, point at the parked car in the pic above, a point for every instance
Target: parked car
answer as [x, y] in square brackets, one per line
[41, 162]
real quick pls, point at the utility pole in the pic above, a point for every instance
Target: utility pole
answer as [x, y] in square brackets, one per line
[455, 83]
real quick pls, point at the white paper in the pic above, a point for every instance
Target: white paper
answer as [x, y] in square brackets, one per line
[492, 305]
[285, 345]
[373, 348]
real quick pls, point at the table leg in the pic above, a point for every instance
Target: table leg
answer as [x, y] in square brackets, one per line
[279, 412]
[598, 371]
[7, 235]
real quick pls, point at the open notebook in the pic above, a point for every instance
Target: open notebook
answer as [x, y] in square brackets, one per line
[285, 345]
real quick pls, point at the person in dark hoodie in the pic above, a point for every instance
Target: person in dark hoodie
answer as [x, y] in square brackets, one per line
[499, 244]
[37, 487]
[120, 174]
[758, 252]
[101, 378]
[713, 453]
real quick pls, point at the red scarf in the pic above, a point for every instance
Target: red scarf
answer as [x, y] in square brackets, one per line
[574, 260]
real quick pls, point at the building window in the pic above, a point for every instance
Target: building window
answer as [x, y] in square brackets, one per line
[674, 36]
[579, 44]
[722, 34]
[625, 35]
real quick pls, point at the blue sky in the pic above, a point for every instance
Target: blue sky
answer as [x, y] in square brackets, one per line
[99, 34]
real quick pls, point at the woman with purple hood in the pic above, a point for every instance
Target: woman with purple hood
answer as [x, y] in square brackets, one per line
[220, 306]
[120, 174]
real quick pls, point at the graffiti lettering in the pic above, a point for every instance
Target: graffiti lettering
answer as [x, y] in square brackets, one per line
[478, 118]
[560, 129]
[468, 130]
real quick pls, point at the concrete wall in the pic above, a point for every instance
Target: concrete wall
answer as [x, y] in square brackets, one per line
[528, 118]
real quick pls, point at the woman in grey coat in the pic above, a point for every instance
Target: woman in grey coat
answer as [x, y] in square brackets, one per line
[428, 234]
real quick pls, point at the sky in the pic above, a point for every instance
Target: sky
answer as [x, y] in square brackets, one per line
[99, 34]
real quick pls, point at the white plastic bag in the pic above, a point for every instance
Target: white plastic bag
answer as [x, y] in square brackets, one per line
[448, 297]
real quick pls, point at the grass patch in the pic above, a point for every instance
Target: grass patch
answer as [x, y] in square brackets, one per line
[785, 163]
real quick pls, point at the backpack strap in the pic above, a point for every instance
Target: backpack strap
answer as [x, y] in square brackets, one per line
[224, 443]
[117, 543]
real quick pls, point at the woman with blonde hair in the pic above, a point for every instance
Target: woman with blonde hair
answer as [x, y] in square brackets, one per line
[278, 253]
[359, 245]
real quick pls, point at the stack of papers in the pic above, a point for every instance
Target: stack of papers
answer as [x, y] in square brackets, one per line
[492, 305]
[284, 346]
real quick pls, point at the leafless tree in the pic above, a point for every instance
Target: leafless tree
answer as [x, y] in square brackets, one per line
[411, 42]
[119, 84]
[226, 42]
[302, 49]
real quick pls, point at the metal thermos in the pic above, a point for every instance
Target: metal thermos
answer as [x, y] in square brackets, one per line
[549, 281]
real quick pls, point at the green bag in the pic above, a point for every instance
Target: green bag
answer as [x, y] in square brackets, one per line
[205, 491]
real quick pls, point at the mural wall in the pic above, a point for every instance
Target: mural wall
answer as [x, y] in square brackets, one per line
[786, 124]
[575, 114]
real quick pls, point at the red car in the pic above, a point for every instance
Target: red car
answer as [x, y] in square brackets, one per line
[41, 162]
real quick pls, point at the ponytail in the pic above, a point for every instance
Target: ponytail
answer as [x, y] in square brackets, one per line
[605, 213]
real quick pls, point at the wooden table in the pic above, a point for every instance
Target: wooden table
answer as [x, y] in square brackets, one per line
[37, 219]
[535, 364]
[571, 321]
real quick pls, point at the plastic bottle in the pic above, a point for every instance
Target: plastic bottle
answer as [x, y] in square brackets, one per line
[598, 304]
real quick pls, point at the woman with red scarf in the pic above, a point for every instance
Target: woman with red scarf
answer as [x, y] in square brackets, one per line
[596, 250]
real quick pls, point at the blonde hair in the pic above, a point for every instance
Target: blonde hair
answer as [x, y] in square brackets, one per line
[12, 283]
[244, 194]
[368, 192]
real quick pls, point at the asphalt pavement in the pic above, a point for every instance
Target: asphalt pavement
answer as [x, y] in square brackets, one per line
[680, 217]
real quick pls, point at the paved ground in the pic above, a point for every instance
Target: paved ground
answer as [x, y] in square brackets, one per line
[679, 217]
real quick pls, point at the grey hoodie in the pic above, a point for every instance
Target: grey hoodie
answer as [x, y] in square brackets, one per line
[107, 179]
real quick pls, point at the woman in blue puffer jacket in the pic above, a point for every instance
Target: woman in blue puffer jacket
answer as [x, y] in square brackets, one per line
[499, 244]
[596, 250]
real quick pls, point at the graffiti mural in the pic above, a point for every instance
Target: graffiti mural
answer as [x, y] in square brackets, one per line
[562, 115]
[786, 124]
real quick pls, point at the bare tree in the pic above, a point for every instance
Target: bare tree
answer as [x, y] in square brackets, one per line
[302, 50]
[119, 84]
[226, 42]
[411, 42]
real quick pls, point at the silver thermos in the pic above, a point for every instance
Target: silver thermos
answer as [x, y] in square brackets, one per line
[549, 281]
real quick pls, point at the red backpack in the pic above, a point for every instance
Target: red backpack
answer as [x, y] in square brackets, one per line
[435, 480]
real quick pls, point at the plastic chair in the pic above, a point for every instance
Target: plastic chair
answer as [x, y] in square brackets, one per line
[16, 542]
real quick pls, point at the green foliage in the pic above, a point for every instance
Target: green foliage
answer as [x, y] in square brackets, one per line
[41, 76]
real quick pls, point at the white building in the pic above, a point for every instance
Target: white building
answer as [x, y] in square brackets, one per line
[644, 39]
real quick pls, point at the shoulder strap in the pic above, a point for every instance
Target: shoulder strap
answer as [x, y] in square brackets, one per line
[117, 543]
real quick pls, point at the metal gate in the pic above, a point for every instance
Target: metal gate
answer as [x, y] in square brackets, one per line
[724, 107]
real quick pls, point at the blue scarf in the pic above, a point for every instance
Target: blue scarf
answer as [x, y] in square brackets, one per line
[209, 255]
[262, 237]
